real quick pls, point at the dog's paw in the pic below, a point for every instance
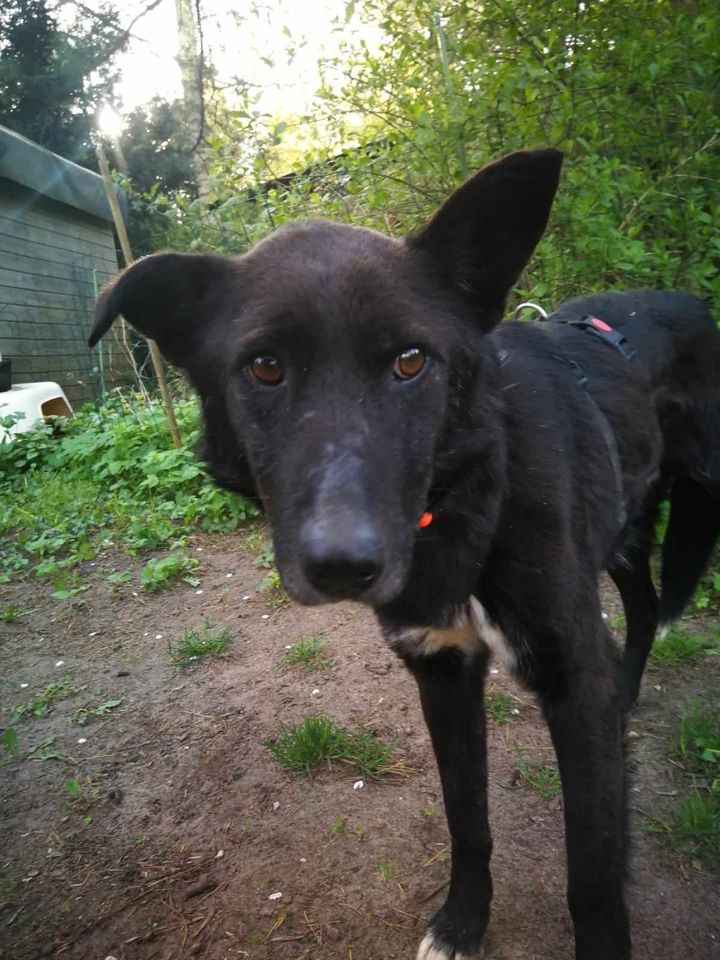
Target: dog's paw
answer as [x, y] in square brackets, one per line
[434, 949]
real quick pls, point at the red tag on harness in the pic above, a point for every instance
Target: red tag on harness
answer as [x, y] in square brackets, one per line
[425, 520]
[600, 325]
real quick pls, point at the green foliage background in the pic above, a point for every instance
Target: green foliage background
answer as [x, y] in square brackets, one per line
[629, 90]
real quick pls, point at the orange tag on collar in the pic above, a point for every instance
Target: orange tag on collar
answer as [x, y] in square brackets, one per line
[425, 520]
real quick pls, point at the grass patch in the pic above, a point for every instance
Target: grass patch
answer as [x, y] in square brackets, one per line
[337, 827]
[197, 645]
[319, 741]
[309, 653]
[693, 825]
[543, 778]
[678, 646]
[500, 706]
[42, 703]
[386, 869]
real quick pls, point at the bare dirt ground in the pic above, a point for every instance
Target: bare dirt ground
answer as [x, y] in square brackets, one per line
[184, 826]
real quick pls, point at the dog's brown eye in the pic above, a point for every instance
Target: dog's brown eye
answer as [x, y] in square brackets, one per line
[409, 363]
[267, 370]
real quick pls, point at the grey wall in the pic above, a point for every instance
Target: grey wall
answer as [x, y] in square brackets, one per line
[48, 252]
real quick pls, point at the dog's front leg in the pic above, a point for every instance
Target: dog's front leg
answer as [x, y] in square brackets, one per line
[451, 692]
[586, 728]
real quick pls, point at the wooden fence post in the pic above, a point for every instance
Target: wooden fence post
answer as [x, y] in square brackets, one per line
[155, 354]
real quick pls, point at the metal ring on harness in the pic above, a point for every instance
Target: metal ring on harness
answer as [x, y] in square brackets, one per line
[533, 306]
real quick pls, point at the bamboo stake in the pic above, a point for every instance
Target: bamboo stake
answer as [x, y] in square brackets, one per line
[155, 354]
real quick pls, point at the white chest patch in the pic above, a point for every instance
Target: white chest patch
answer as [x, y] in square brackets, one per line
[469, 631]
[491, 635]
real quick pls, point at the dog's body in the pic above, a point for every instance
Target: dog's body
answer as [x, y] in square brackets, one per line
[358, 383]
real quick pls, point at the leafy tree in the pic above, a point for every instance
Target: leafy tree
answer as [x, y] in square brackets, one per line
[630, 91]
[158, 148]
[53, 79]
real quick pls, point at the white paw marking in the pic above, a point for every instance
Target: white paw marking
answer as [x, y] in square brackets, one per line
[430, 950]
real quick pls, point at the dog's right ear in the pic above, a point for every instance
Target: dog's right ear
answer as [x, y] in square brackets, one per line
[161, 296]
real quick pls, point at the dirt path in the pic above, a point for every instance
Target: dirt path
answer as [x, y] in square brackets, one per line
[163, 828]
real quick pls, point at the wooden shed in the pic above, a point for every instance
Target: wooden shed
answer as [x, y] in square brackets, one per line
[56, 250]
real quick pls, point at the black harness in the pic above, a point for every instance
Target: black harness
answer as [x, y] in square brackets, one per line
[613, 338]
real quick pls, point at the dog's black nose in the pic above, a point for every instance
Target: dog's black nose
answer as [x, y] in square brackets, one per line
[341, 567]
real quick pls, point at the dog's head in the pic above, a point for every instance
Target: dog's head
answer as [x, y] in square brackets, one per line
[336, 367]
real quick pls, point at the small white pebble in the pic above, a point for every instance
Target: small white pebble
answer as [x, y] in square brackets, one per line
[158, 636]
[315, 692]
[60, 663]
[515, 712]
[276, 805]
[134, 593]
[228, 574]
[303, 859]
[146, 633]
[658, 687]
[288, 646]
[275, 896]
[198, 549]
[604, 616]
[265, 616]
[82, 740]
[93, 634]
[219, 854]
[246, 598]
[198, 592]
[358, 785]
[23, 685]
[494, 670]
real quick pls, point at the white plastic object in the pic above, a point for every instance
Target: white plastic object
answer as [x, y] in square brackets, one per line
[36, 401]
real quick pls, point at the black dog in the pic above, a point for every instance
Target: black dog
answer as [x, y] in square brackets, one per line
[467, 481]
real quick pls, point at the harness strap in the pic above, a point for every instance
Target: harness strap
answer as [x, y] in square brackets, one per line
[617, 341]
[614, 454]
[603, 331]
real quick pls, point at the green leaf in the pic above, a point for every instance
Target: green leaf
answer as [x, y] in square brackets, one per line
[10, 741]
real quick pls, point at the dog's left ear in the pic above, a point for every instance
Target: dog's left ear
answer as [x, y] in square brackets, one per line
[482, 237]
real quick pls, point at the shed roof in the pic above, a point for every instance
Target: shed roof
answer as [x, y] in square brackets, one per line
[31, 165]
